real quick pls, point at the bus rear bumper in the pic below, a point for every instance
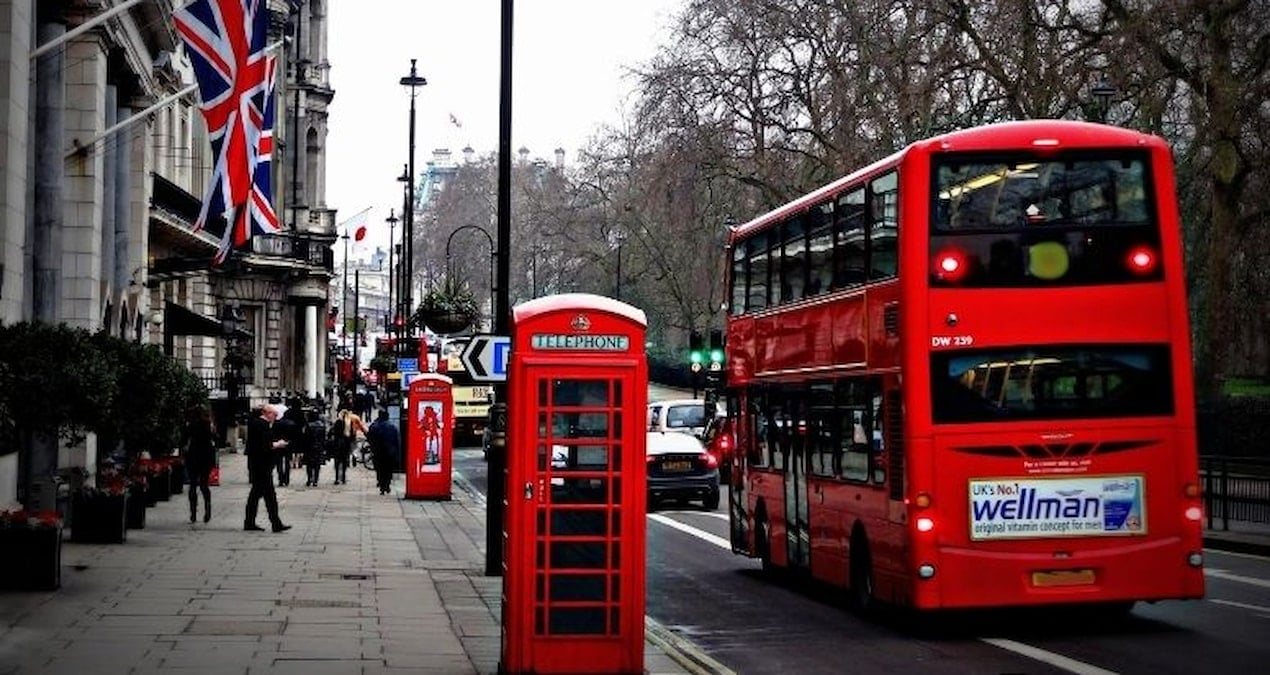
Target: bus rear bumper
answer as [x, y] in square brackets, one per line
[1157, 569]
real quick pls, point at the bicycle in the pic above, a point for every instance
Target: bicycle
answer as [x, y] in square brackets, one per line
[362, 454]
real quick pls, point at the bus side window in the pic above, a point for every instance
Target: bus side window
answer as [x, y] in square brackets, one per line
[855, 445]
[877, 443]
[884, 227]
[758, 452]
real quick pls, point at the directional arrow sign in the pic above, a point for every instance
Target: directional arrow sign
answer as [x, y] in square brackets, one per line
[486, 356]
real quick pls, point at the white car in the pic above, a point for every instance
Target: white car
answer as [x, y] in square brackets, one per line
[686, 415]
[679, 468]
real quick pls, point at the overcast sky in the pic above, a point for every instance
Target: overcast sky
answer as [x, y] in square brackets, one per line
[569, 61]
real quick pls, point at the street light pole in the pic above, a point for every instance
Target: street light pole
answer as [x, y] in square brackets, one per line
[392, 225]
[413, 81]
[344, 297]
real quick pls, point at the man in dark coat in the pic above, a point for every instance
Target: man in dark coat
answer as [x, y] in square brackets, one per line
[385, 443]
[262, 451]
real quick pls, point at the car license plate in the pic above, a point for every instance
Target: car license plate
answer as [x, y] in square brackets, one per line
[1063, 578]
[676, 467]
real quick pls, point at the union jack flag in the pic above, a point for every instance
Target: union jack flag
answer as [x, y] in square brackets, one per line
[236, 81]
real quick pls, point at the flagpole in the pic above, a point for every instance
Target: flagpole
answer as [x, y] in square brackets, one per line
[82, 28]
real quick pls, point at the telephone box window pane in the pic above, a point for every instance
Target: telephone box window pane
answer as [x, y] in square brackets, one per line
[576, 621]
[616, 560]
[542, 555]
[542, 522]
[540, 621]
[579, 491]
[617, 492]
[580, 392]
[542, 458]
[542, 392]
[616, 464]
[616, 526]
[615, 588]
[617, 392]
[540, 587]
[615, 621]
[579, 425]
[577, 523]
[542, 425]
[577, 554]
[577, 588]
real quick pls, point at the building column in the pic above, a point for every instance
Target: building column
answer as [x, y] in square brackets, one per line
[84, 184]
[111, 292]
[312, 336]
[15, 130]
[50, 143]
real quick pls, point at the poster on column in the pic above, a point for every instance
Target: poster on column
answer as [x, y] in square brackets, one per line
[430, 420]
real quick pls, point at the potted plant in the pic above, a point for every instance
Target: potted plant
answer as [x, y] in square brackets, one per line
[449, 308]
[30, 550]
[99, 513]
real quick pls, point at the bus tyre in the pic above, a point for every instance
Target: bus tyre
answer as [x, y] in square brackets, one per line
[861, 591]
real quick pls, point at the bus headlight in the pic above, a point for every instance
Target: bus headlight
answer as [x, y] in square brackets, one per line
[926, 570]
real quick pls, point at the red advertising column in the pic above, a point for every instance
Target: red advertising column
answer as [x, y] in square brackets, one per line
[573, 569]
[429, 422]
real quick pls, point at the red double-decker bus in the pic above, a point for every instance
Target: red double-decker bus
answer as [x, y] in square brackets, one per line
[961, 376]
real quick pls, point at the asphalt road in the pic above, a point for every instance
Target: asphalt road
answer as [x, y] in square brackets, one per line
[749, 623]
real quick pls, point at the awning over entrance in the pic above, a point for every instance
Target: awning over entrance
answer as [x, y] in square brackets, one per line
[180, 320]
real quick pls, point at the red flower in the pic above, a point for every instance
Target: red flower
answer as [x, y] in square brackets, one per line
[36, 520]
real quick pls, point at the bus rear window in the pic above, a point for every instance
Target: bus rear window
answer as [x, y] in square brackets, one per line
[1023, 220]
[1059, 382]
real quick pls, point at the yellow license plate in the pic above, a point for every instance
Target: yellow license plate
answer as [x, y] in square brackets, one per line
[676, 467]
[1063, 578]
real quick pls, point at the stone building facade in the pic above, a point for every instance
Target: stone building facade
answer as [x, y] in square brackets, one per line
[104, 162]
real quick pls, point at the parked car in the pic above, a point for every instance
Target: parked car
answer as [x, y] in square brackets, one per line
[687, 415]
[679, 468]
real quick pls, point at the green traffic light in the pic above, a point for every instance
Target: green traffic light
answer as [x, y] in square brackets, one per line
[716, 356]
[694, 357]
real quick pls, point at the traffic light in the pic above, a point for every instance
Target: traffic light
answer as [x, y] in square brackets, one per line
[716, 346]
[695, 347]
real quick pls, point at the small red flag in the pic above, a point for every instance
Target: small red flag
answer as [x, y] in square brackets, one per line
[360, 234]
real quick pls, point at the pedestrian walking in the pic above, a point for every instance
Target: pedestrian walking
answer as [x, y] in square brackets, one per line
[262, 452]
[314, 452]
[385, 445]
[291, 428]
[344, 436]
[200, 457]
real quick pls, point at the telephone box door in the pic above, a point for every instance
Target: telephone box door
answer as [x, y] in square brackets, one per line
[576, 490]
[428, 419]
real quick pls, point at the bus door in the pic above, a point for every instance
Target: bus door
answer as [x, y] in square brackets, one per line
[742, 437]
[793, 453]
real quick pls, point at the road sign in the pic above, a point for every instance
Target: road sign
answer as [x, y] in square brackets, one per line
[410, 365]
[486, 356]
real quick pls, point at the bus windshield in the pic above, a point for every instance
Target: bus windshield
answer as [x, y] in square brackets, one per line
[1028, 221]
[1062, 382]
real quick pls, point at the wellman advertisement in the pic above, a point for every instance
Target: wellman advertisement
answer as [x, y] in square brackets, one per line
[1026, 508]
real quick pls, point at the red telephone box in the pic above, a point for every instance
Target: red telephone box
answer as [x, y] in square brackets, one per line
[573, 569]
[429, 423]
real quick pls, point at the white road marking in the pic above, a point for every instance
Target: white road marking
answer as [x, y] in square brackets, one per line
[1057, 660]
[1237, 554]
[1241, 605]
[700, 534]
[1223, 574]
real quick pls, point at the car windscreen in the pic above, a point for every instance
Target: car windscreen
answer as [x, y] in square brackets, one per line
[1055, 382]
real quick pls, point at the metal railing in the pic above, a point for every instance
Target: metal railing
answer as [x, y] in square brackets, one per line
[1235, 488]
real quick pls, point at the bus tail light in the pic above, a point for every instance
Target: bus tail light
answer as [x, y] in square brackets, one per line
[951, 265]
[1191, 490]
[1142, 260]
[922, 500]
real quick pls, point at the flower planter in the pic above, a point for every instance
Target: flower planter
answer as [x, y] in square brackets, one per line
[135, 510]
[99, 518]
[178, 478]
[31, 559]
[159, 487]
[445, 323]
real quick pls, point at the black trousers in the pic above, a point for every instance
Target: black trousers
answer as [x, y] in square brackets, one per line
[341, 466]
[198, 477]
[283, 464]
[262, 487]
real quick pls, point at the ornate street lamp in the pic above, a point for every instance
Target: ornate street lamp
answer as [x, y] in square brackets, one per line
[413, 81]
[1102, 91]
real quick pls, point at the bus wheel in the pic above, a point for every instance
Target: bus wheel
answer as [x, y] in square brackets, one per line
[861, 575]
